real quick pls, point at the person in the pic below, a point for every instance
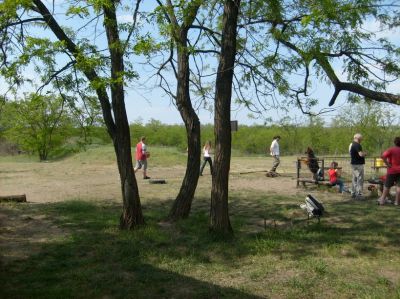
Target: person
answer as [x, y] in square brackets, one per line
[206, 157]
[141, 157]
[274, 151]
[357, 166]
[391, 157]
[334, 176]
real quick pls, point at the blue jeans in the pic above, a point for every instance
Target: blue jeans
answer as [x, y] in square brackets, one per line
[340, 184]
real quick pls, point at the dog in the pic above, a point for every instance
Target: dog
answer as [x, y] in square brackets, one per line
[312, 163]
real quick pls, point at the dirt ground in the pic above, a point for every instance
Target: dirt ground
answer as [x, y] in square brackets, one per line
[63, 180]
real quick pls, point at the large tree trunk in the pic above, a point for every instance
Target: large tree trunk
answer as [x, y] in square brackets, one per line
[219, 214]
[132, 213]
[183, 202]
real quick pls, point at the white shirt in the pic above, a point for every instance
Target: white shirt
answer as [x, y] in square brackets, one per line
[144, 148]
[274, 148]
[206, 152]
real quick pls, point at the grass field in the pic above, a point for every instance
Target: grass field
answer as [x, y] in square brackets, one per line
[70, 247]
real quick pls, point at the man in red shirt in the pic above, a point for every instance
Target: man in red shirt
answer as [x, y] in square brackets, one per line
[141, 157]
[391, 157]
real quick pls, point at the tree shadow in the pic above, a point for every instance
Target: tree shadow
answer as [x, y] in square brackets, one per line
[98, 260]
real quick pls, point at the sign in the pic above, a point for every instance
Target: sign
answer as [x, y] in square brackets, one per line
[234, 125]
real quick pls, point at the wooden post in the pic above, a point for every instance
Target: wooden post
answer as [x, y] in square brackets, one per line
[298, 171]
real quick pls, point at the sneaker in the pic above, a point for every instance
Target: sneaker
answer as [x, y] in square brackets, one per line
[146, 178]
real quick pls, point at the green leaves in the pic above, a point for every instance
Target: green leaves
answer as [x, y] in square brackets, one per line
[36, 123]
[80, 11]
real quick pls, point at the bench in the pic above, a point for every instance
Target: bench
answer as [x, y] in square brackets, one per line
[311, 181]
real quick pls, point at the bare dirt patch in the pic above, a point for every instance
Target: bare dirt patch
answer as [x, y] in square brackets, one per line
[62, 180]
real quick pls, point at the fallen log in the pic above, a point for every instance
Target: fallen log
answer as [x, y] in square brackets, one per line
[13, 198]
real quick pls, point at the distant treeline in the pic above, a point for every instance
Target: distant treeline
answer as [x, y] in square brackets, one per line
[257, 139]
[35, 125]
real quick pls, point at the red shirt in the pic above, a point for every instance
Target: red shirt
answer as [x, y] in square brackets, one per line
[332, 175]
[393, 157]
[140, 154]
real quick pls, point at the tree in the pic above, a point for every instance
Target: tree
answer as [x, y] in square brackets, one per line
[38, 124]
[178, 33]
[288, 45]
[105, 74]
[281, 38]
[376, 122]
[219, 214]
[86, 116]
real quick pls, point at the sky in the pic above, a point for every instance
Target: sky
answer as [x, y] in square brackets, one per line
[145, 102]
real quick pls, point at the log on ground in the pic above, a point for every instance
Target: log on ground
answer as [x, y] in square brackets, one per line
[13, 198]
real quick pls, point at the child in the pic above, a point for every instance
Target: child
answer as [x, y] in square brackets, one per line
[334, 174]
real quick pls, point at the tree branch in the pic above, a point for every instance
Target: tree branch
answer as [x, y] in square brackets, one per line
[90, 73]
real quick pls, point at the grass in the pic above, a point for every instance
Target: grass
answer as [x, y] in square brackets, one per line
[352, 253]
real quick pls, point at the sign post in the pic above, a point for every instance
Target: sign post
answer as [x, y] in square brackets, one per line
[234, 125]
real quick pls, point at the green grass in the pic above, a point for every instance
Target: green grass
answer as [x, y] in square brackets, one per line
[353, 252]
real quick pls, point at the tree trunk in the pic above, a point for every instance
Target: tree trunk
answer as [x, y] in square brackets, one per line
[132, 213]
[183, 202]
[219, 214]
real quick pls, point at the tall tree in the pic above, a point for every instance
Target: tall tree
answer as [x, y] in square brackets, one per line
[219, 213]
[18, 14]
[179, 35]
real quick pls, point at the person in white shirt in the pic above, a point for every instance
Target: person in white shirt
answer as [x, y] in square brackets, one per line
[206, 157]
[274, 150]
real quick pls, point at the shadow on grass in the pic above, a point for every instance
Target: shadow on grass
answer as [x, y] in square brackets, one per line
[96, 260]
[157, 261]
[360, 225]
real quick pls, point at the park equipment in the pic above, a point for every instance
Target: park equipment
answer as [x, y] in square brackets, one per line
[313, 207]
[318, 176]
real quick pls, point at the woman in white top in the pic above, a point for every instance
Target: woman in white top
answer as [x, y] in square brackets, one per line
[206, 157]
